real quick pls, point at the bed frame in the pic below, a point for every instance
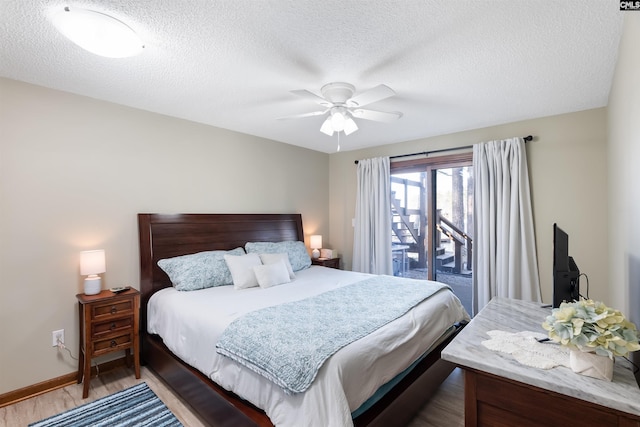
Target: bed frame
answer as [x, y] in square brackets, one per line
[163, 236]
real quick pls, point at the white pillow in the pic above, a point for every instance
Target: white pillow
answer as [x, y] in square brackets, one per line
[241, 268]
[273, 258]
[271, 274]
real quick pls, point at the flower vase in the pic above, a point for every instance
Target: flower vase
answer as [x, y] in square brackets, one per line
[591, 364]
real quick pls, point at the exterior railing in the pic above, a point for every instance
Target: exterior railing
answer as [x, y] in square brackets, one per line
[460, 239]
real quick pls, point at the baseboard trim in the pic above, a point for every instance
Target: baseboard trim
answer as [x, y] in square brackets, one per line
[25, 393]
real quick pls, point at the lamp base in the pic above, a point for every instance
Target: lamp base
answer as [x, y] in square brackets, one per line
[92, 285]
[315, 253]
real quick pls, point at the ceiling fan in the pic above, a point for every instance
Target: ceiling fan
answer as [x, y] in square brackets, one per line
[342, 106]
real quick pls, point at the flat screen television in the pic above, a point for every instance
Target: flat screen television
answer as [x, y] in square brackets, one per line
[566, 275]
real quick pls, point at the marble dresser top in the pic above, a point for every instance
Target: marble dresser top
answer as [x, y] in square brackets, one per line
[510, 315]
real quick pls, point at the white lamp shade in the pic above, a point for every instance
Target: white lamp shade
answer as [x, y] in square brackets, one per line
[97, 32]
[92, 262]
[350, 126]
[337, 121]
[326, 128]
[316, 241]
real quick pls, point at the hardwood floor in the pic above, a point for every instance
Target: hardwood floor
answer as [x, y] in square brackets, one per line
[445, 409]
[54, 402]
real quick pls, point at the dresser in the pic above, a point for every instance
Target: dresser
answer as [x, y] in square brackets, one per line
[109, 322]
[499, 391]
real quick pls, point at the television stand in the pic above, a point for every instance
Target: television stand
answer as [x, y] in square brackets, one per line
[499, 391]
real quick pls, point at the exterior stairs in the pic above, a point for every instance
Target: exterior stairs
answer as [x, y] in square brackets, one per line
[445, 261]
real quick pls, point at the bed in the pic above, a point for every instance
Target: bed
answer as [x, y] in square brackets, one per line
[165, 236]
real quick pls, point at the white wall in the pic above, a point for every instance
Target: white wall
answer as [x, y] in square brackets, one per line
[74, 172]
[567, 168]
[624, 177]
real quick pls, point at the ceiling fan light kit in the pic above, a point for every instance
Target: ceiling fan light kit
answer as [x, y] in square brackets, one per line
[342, 106]
[337, 119]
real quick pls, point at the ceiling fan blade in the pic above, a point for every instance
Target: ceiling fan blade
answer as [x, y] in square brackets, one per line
[312, 97]
[298, 116]
[377, 116]
[370, 96]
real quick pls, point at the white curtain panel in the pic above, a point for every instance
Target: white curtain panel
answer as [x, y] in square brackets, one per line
[372, 234]
[504, 258]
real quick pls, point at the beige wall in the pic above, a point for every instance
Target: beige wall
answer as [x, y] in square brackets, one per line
[74, 172]
[624, 163]
[567, 167]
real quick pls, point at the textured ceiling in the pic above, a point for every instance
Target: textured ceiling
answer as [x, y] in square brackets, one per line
[455, 65]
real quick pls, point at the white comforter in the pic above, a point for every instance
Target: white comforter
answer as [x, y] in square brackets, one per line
[190, 324]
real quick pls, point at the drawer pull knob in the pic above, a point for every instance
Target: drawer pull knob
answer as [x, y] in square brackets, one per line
[114, 343]
[113, 309]
[113, 326]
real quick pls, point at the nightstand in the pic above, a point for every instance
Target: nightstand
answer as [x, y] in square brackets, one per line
[108, 322]
[326, 262]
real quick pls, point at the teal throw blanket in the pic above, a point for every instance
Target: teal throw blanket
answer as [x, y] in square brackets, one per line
[289, 343]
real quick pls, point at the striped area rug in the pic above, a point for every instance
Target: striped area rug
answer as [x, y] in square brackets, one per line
[135, 406]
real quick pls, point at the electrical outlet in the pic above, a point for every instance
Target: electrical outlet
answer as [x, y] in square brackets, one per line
[55, 335]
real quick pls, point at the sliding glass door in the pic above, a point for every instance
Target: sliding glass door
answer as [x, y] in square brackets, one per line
[432, 225]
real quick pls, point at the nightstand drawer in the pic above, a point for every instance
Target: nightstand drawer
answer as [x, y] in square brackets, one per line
[101, 311]
[112, 344]
[112, 326]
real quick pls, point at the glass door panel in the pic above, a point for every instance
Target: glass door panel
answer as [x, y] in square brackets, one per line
[453, 230]
[409, 220]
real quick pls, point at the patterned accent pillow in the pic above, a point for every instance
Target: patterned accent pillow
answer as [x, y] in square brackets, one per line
[298, 255]
[200, 270]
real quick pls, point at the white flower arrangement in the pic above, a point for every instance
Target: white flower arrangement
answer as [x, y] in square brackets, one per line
[591, 326]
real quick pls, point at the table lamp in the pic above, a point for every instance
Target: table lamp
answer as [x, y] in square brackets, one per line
[92, 263]
[316, 244]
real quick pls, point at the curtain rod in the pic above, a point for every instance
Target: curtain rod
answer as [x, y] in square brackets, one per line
[426, 153]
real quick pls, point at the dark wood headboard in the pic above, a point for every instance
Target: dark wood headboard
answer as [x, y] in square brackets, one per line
[170, 235]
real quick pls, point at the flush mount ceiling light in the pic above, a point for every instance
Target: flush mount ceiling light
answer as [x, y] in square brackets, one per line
[97, 32]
